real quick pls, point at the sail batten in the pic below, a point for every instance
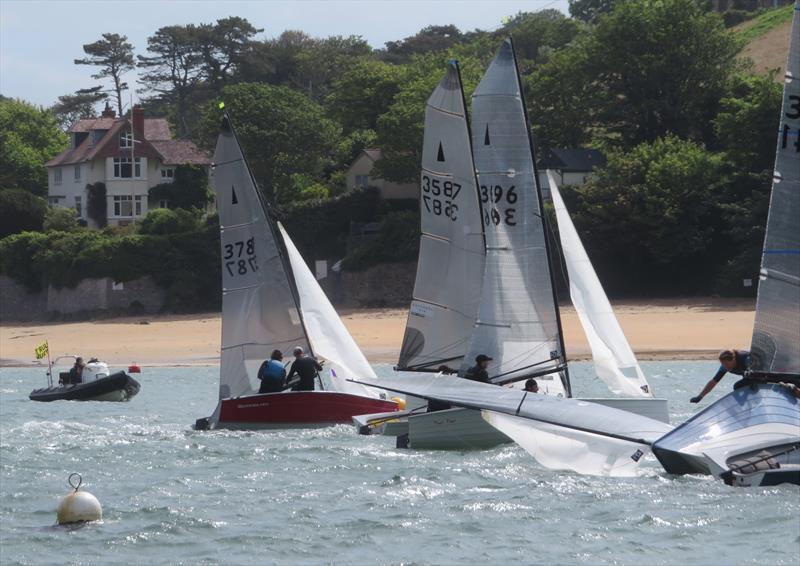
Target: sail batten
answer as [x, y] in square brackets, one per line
[775, 345]
[451, 257]
[518, 316]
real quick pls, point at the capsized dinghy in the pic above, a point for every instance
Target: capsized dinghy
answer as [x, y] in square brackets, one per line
[97, 385]
[752, 436]
[571, 434]
[271, 301]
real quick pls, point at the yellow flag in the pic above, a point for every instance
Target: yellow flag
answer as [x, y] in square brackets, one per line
[41, 351]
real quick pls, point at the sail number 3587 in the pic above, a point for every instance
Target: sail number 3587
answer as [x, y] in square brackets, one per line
[240, 257]
[439, 197]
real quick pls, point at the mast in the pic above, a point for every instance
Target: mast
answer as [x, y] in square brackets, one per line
[548, 251]
[227, 123]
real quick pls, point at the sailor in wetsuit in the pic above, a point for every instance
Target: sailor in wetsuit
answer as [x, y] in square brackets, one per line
[306, 367]
[75, 373]
[733, 361]
[272, 374]
[478, 371]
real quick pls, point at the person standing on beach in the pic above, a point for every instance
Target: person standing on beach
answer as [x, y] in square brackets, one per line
[306, 367]
[733, 361]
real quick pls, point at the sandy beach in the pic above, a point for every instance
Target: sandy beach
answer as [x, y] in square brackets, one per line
[657, 329]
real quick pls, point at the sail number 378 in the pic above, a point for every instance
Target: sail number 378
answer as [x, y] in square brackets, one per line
[439, 197]
[240, 257]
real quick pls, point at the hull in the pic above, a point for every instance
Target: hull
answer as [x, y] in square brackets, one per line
[116, 387]
[465, 429]
[292, 409]
[759, 423]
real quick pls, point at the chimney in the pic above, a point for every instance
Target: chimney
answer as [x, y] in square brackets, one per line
[138, 122]
[108, 112]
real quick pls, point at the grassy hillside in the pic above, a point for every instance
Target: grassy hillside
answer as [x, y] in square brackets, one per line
[767, 38]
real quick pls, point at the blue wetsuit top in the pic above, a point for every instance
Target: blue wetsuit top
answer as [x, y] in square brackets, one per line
[271, 370]
[742, 363]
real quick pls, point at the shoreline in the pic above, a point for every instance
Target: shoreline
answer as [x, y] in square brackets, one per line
[660, 329]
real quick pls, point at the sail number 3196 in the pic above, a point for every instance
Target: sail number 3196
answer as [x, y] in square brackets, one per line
[240, 257]
[494, 210]
[439, 197]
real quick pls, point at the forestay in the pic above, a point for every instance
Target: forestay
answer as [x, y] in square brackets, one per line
[517, 322]
[259, 308]
[614, 360]
[451, 255]
[327, 334]
[776, 334]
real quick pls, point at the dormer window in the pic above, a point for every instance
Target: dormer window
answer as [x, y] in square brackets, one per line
[126, 139]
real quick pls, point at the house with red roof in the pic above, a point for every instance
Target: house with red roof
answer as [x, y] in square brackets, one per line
[128, 156]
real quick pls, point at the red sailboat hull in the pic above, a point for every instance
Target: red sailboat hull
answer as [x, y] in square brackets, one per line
[297, 409]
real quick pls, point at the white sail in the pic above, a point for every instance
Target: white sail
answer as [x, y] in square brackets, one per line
[560, 448]
[518, 320]
[327, 335]
[259, 309]
[613, 358]
[451, 255]
[776, 334]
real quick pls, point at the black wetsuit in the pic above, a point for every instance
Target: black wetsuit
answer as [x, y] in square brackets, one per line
[75, 377]
[307, 368]
[742, 364]
[477, 373]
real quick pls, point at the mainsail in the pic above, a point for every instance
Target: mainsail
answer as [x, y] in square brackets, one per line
[451, 255]
[614, 360]
[776, 335]
[260, 312]
[518, 321]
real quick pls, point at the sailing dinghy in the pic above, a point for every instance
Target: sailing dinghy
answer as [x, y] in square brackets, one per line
[515, 319]
[271, 301]
[752, 436]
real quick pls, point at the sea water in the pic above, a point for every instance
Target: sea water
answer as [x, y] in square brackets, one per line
[329, 496]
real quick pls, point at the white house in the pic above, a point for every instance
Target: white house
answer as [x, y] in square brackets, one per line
[360, 175]
[129, 156]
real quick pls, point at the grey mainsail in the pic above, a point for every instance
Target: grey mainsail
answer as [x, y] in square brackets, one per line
[260, 312]
[517, 323]
[451, 255]
[776, 335]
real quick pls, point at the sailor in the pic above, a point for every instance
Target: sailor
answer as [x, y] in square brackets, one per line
[306, 367]
[733, 361]
[478, 371]
[531, 386]
[76, 372]
[272, 374]
[433, 404]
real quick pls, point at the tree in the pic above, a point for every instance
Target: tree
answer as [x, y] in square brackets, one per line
[165, 221]
[29, 137]
[650, 218]
[323, 60]
[363, 92]
[60, 219]
[591, 10]
[188, 189]
[428, 39]
[114, 55]
[96, 204]
[537, 34]
[282, 133]
[174, 69]
[222, 47]
[73, 107]
[666, 77]
[747, 120]
[20, 211]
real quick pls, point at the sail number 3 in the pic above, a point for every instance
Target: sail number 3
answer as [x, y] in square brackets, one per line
[240, 257]
[494, 195]
[439, 197]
